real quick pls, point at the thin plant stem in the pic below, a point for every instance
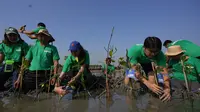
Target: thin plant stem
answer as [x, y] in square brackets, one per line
[185, 77]
[155, 72]
[36, 84]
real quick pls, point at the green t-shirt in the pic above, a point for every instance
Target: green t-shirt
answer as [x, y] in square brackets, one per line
[73, 63]
[192, 75]
[189, 47]
[14, 51]
[136, 55]
[110, 69]
[42, 57]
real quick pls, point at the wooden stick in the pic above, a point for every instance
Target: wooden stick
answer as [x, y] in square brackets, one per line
[49, 79]
[21, 74]
[155, 72]
[36, 84]
[185, 77]
[127, 65]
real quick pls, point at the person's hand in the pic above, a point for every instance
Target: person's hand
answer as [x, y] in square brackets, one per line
[81, 69]
[58, 82]
[109, 76]
[71, 81]
[60, 90]
[105, 72]
[22, 28]
[155, 88]
[166, 96]
[16, 84]
[137, 75]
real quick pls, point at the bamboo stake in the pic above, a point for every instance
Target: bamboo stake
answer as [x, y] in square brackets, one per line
[155, 72]
[21, 74]
[50, 79]
[127, 65]
[185, 77]
[36, 84]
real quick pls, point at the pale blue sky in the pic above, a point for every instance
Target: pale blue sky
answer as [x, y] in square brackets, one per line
[90, 21]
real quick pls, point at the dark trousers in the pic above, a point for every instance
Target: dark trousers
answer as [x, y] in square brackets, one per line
[4, 78]
[29, 79]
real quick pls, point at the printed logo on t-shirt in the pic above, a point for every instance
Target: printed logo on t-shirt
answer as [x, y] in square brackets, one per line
[18, 49]
[47, 51]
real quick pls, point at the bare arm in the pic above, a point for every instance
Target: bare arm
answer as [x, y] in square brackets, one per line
[55, 67]
[140, 76]
[28, 32]
[166, 78]
[32, 36]
[83, 67]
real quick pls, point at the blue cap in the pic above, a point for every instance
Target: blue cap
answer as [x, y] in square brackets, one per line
[74, 46]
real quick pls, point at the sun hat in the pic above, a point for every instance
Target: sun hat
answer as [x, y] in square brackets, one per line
[46, 32]
[174, 50]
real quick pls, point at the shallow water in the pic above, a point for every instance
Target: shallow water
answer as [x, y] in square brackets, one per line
[120, 101]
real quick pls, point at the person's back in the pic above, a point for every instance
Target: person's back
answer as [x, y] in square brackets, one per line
[190, 47]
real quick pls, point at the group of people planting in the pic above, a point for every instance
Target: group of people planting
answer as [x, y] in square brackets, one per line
[178, 68]
[31, 67]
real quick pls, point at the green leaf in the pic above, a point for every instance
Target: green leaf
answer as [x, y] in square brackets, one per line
[112, 60]
[123, 64]
[121, 58]
[111, 52]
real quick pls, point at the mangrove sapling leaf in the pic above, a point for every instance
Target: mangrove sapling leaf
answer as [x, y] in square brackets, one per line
[188, 67]
[159, 69]
[111, 52]
[122, 62]
[112, 60]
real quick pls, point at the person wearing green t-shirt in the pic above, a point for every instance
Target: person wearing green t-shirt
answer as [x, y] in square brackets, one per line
[110, 69]
[75, 69]
[189, 47]
[191, 64]
[12, 49]
[43, 59]
[32, 34]
[145, 54]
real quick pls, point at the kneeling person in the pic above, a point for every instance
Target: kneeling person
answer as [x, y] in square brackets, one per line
[144, 55]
